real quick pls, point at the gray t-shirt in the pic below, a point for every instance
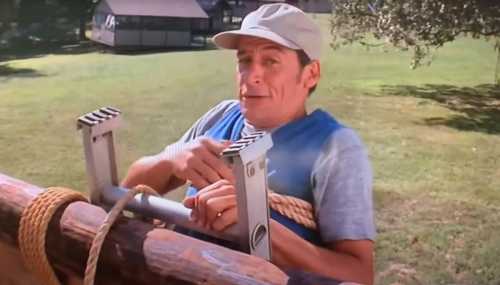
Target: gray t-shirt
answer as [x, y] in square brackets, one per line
[341, 179]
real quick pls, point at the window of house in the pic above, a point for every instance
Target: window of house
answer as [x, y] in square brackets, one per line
[178, 24]
[99, 19]
[128, 22]
[154, 23]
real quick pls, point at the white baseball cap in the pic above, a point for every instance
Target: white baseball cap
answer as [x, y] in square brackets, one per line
[283, 24]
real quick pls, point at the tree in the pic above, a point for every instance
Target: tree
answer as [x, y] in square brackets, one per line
[52, 20]
[7, 14]
[34, 11]
[81, 10]
[420, 25]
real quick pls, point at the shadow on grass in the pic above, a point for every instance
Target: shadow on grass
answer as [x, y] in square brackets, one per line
[7, 72]
[27, 52]
[30, 51]
[478, 106]
[197, 44]
[144, 51]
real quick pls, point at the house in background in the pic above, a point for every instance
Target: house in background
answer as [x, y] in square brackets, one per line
[174, 23]
[220, 14]
[228, 14]
[147, 23]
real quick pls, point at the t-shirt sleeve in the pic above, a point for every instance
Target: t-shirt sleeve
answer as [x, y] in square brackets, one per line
[342, 180]
[205, 122]
[200, 127]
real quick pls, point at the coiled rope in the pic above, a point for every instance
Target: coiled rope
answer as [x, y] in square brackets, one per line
[33, 228]
[34, 225]
[293, 208]
[36, 217]
[98, 241]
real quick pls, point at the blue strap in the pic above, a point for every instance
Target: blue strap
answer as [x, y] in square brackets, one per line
[290, 161]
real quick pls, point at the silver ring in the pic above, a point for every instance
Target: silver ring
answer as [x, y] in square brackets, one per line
[219, 214]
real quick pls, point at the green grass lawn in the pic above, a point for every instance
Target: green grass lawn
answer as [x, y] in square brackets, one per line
[433, 135]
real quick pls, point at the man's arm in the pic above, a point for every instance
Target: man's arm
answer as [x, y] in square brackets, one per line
[170, 168]
[346, 260]
[154, 171]
[197, 162]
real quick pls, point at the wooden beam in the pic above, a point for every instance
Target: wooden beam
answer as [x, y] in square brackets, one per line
[134, 252]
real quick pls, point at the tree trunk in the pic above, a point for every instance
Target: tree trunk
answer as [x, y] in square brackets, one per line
[83, 27]
[497, 69]
[7, 14]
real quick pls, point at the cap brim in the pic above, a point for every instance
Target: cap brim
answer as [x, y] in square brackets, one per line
[229, 39]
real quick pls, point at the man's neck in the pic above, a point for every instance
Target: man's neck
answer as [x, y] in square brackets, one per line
[249, 128]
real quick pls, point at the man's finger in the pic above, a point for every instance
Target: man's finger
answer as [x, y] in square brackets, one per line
[205, 196]
[214, 146]
[218, 205]
[214, 186]
[188, 202]
[209, 173]
[196, 179]
[225, 220]
[193, 216]
[210, 155]
[223, 170]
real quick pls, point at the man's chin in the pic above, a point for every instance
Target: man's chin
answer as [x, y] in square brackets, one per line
[255, 117]
[262, 118]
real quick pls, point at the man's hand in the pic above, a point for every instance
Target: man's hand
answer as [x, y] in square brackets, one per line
[214, 207]
[200, 163]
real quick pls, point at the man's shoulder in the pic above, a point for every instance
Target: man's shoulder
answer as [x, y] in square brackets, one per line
[216, 113]
[339, 133]
[346, 137]
[208, 120]
[223, 107]
[322, 126]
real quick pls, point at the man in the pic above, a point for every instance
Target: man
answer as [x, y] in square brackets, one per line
[313, 158]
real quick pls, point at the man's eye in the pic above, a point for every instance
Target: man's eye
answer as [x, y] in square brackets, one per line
[270, 62]
[244, 61]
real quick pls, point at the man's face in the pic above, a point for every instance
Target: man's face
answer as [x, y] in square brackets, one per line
[272, 88]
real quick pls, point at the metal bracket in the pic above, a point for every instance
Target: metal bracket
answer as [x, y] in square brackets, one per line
[248, 159]
[97, 128]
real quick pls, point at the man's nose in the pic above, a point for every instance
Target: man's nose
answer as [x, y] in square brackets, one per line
[253, 74]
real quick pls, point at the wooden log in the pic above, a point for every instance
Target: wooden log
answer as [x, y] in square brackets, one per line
[134, 252]
[12, 269]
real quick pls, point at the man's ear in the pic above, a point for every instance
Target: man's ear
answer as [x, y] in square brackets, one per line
[312, 74]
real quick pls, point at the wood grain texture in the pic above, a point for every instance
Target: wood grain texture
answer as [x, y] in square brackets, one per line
[134, 252]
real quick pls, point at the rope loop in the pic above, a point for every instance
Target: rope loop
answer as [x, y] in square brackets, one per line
[33, 227]
[293, 208]
[103, 230]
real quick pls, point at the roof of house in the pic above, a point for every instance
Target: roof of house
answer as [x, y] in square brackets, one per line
[157, 8]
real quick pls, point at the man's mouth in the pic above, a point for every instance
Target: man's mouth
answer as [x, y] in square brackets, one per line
[254, 96]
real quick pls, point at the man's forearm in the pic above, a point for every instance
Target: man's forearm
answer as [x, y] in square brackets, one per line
[291, 251]
[153, 171]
